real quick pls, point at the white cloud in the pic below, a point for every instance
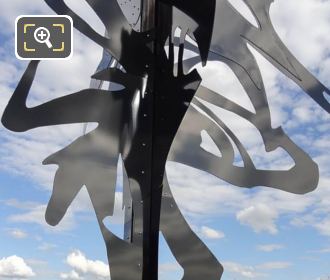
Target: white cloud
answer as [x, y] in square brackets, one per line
[324, 278]
[274, 265]
[36, 215]
[324, 227]
[169, 267]
[72, 275]
[17, 233]
[314, 219]
[290, 20]
[260, 217]
[34, 212]
[324, 250]
[210, 233]
[15, 267]
[249, 272]
[78, 261]
[254, 271]
[270, 247]
[170, 270]
[198, 194]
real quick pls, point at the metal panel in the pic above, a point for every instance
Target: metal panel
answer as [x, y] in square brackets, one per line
[189, 139]
[191, 253]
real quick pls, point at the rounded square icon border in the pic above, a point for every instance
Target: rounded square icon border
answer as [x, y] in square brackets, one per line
[41, 58]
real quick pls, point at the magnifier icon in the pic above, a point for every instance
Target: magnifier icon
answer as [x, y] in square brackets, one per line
[42, 35]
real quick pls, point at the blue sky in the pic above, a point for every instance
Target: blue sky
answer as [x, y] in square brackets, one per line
[289, 239]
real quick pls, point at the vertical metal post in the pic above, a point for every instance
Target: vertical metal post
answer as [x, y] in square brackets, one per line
[148, 17]
[151, 205]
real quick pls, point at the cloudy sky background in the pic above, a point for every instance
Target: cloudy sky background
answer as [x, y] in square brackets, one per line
[256, 234]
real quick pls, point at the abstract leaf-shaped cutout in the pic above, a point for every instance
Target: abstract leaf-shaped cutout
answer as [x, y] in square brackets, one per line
[65, 189]
[188, 139]
[84, 162]
[252, 141]
[184, 243]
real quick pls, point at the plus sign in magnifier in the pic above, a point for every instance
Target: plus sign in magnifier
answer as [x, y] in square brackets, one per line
[42, 36]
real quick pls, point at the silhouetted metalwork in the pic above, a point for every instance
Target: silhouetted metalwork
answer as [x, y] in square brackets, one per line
[156, 113]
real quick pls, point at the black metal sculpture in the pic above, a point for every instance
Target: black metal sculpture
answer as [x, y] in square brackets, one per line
[148, 121]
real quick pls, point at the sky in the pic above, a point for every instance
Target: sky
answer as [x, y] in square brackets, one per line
[256, 234]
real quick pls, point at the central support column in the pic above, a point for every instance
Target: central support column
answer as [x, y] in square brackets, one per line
[151, 205]
[148, 14]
